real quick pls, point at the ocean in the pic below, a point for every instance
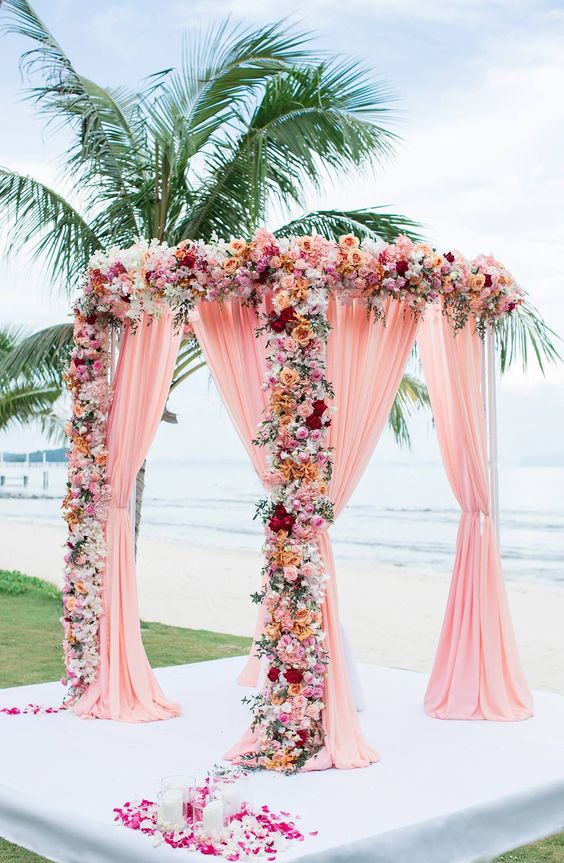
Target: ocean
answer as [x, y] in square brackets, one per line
[402, 515]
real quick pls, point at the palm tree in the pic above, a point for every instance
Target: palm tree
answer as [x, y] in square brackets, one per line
[252, 121]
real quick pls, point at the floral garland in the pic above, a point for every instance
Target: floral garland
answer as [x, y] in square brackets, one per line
[301, 272]
[86, 501]
[287, 713]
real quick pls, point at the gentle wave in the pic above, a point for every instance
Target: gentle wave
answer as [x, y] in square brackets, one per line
[403, 516]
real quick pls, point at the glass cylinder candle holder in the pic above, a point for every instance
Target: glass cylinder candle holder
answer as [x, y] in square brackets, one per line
[246, 791]
[184, 783]
[211, 820]
[170, 810]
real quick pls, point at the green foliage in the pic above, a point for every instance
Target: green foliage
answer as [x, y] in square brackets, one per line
[14, 583]
[522, 334]
[12, 854]
[369, 223]
[411, 396]
[31, 370]
[549, 850]
[32, 607]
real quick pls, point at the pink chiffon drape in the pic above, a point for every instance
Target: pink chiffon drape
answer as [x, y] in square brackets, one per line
[236, 358]
[365, 363]
[477, 673]
[126, 688]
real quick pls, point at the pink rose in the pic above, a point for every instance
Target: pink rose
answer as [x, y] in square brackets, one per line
[305, 409]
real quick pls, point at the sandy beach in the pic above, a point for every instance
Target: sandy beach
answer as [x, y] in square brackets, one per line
[393, 615]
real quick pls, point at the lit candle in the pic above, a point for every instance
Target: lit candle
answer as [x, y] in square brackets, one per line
[170, 812]
[212, 817]
[231, 796]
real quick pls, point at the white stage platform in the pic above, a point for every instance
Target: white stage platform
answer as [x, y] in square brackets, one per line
[444, 792]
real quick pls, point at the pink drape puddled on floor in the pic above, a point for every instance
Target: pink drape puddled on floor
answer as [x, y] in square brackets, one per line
[477, 673]
[365, 363]
[236, 359]
[126, 688]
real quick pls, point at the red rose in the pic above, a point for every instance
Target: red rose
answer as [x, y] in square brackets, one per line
[319, 407]
[187, 260]
[275, 524]
[273, 674]
[276, 323]
[402, 267]
[288, 314]
[488, 282]
[280, 510]
[302, 736]
[313, 421]
[91, 319]
[288, 523]
[449, 257]
[294, 675]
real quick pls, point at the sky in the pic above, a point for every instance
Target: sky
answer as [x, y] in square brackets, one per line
[478, 104]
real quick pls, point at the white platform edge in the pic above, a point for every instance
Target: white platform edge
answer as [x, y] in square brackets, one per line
[438, 840]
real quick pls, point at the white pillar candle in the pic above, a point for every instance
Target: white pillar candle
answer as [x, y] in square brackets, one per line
[231, 796]
[212, 817]
[171, 808]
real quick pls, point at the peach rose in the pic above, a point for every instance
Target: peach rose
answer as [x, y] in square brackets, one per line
[303, 615]
[230, 265]
[477, 281]
[289, 377]
[282, 300]
[237, 246]
[348, 241]
[303, 334]
[354, 257]
[273, 631]
[290, 558]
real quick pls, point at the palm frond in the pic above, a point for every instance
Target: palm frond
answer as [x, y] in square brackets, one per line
[104, 147]
[39, 356]
[368, 223]
[524, 334]
[311, 121]
[220, 70]
[24, 403]
[37, 219]
[411, 396]
[188, 362]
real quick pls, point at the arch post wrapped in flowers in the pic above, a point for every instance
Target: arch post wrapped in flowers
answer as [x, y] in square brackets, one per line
[332, 318]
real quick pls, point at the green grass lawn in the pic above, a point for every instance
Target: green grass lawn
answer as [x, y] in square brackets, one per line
[30, 612]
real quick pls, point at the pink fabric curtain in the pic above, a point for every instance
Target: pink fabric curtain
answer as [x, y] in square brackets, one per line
[237, 361]
[365, 364]
[477, 673]
[126, 688]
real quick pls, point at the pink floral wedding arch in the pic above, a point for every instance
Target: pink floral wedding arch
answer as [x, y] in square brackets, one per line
[307, 340]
